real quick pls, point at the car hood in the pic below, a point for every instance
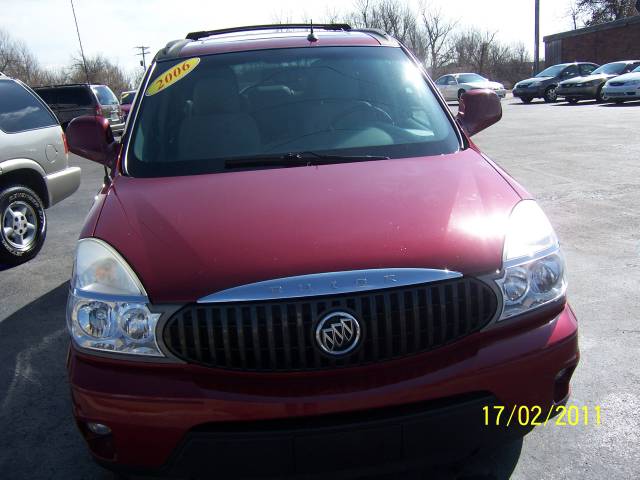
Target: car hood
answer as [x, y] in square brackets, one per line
[627, 76]
[588, 78]
[535, 79]
[490, 85]
[187, 237]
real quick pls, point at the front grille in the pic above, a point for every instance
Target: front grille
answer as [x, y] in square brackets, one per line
[278, 335]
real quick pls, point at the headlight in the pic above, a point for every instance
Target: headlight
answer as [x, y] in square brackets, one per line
[533, 264]
[107, 307]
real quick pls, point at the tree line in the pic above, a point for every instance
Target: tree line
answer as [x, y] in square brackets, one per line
[17, 61]
[440, 42]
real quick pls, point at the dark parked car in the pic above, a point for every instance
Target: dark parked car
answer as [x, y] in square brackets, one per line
[72, 101]
[590, 87]
[544, 84]
[300, 264]
[126, 99]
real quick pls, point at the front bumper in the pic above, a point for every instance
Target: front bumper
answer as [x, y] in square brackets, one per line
[62, 184]
[628, 92]
[535, 92]
[164, 417]
[583, 93]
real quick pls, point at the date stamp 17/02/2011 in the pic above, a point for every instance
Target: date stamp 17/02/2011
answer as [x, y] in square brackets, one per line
[535, 416]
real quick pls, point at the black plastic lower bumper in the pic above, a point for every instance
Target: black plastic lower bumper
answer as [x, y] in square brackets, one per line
[383, 441]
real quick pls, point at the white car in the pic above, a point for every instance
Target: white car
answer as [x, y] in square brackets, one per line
[624, 87]
[454, 85]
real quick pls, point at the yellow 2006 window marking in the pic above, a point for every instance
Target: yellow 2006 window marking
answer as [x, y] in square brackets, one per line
[171, 76]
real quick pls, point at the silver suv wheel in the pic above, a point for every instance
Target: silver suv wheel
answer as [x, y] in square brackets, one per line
[19, 225]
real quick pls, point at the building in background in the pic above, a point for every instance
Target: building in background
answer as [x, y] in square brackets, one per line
[607, 42]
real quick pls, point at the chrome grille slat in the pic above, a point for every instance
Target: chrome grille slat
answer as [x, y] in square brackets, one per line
[279, 336]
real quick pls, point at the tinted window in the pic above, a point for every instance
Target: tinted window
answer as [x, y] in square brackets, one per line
[630, 67]
[571, 71]
[442, 81]
[72, 96]
[637, 70]
[20, 110]
[551, 71]
[333, 100]
[470, 77]
[127, 98]
[105, 95]
[615, 68]
[587, 69]
[47, 94]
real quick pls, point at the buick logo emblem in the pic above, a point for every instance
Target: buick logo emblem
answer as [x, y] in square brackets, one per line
[338, 333]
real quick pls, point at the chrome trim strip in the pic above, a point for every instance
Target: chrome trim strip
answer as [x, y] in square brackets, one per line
[109, 298]
[329, 283]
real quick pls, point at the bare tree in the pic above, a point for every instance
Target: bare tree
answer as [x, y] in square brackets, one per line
[438, 31]
[100, 70]
[574, 13]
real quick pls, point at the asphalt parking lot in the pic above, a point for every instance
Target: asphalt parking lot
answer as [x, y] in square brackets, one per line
[580, 161]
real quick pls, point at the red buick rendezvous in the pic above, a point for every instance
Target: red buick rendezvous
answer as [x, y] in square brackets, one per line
[301, 264]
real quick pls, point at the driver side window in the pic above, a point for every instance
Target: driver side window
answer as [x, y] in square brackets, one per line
[570, 71]
[452, 81]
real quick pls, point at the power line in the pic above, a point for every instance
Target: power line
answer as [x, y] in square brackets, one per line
[84, 61]
[144, 51]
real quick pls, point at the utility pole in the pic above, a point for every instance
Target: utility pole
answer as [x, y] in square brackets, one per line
[143, 52]
[536, 48]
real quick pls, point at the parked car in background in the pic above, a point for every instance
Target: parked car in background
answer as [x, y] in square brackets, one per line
[623, 88]
[301, 265]
[126, 99]
[544, 84]
[34, 170]
[452, 86]
[590, 87]
[72, 101]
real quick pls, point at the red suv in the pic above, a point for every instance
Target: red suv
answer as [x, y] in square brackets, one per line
[301, 264]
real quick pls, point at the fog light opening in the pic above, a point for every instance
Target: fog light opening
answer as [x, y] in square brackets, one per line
[561, 386]
[98, 428]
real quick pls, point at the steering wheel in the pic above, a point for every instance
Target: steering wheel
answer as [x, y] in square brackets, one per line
[362, 105]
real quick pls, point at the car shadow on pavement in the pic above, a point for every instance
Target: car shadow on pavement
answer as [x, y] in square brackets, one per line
[621, 105]
[39, 437]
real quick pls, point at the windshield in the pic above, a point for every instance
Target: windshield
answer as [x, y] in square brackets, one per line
[610, 69]
[105, 95]
[470, 78]
[551, 71]
[350, 101]
[127, 98]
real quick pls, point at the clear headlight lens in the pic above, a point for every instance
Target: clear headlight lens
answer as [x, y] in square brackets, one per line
[534, 271]
[107, 307]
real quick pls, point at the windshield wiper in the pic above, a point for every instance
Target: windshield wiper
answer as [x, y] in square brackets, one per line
[296, 159]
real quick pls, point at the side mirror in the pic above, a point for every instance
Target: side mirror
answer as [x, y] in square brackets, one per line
[91, 137]
[478, 109]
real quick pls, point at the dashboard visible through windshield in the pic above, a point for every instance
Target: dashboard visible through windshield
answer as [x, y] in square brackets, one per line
[198, 113]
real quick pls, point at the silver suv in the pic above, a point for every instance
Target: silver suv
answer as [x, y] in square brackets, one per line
[34, 170]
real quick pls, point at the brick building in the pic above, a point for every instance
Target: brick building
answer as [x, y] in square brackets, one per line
[608, 42]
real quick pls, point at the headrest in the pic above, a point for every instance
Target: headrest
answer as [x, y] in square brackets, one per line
[217, 92]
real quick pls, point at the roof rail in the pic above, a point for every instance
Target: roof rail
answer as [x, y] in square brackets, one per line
[277, 26]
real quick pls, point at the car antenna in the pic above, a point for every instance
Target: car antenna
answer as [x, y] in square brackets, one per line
[312, 36]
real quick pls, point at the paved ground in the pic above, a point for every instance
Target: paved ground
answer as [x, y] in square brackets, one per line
[581, 162]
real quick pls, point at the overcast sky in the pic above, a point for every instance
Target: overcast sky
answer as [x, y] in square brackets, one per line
[115, 27]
